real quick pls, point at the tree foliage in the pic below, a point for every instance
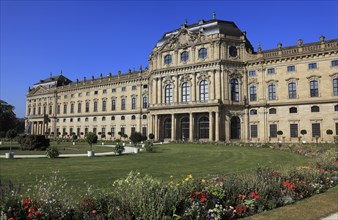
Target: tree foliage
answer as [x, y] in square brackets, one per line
[91, 139]
[7, 116]
[136, 137]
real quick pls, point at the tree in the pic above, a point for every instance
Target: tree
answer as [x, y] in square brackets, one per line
[151, 136]
[91, 139]
[11, 134]
[7, 116]
[136, 137]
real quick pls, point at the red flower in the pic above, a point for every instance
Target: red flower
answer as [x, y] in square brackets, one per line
[94, 211]
[32, 208]
[288, 184]
[30, 215]
[192, 199]
[255, 196]
[26, 201]
[11, 218]
[37, 213]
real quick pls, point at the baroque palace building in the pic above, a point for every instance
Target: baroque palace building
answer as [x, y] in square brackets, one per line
[204, 82]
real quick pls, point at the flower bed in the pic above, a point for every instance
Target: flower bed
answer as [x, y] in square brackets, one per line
[143, 197]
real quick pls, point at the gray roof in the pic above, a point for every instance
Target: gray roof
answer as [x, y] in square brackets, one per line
[207, 27]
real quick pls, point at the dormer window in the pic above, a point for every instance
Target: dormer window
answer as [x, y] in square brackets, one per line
[167, 59]
[233, 51]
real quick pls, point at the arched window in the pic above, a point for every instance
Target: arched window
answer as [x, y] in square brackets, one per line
[184, 56]
[167, 128]
[292, 90]
[133, 117]
[272, 91]
[234, 90]
[293, 110]
[253, 112]
[167, 59]
[185, 92]
[203, 127]
[168, 94]
[335, 86]
[336, 108]
[144, 117]
[104, 105]
[185, 128]
[123, 117]
[103, 118]
[202, 53]
[94, 119]
[314, 88]
[314, 109]
[253, 93]
[112, 118]
[204, 96]
[272, 111]
[133, 103]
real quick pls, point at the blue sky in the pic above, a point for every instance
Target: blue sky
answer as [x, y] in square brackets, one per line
[85, 38]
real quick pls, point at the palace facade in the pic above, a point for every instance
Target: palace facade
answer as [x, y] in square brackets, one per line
[204, 82]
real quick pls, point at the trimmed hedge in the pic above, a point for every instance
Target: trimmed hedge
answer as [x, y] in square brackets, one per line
[33, 142]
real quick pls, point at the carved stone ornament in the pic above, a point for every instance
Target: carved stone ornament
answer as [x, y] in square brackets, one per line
[253, 81]
[185, 78]
[232, 113]
[182, 39]
[234, 74]
[203, 76]
[167, 80]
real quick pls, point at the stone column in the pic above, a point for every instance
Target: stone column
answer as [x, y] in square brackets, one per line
[211, 126]
[191, 127]
[155, 124]
[158, 91]
[214, 89]
[227, 128]
[218, 86]
[153, 91]
[216, 126]
[177, 89]
[226, 86]
[173, 127]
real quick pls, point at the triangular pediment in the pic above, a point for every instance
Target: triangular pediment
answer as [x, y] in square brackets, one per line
[182, 39]
[39, 90]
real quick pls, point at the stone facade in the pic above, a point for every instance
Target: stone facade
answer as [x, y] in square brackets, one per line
[204, 82]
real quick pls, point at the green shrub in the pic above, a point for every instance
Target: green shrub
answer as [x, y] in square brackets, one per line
[52, 152]
[33, 142]
[149, 146]
[119, 148]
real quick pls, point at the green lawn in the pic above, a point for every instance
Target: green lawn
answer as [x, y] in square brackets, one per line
[177, 160]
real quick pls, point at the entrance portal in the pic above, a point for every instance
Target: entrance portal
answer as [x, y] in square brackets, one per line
[235, 127]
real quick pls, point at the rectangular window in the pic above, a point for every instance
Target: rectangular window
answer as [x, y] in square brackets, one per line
[86, 131]
[64, 109]
[80, 94]
[291, 68]
[50, 109]
[57, 110]
[293, 130]
[273, 130]
[65, 96]
[133, 103]
[94, 130]
[72, 95]
[123, 104]
[113, 90]
[87, 106]
[133, 130]
[253, 131]
[253, 93]
[335, 87]
[78, 132]
[87, 93]
[133, 88]
[312, 66]
[315, 129]
[272, 92]
[96, 92]
[79, 107]
[145, 86]
[113, 131]
[72, 108]
[113, 105]
[292, 90]
[336, 128]
[145, 102]
[334, 63]
[144, 131]
[104, 91]
[314, 88]
[124, 89]
[123, 130]
[271, 71]
[252, 73]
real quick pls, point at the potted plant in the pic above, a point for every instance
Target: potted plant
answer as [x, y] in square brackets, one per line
[118, 149]
[136, 138]
[303, 132]
[103, 136]
[151, 137]
[11, 134]
[91, 139]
